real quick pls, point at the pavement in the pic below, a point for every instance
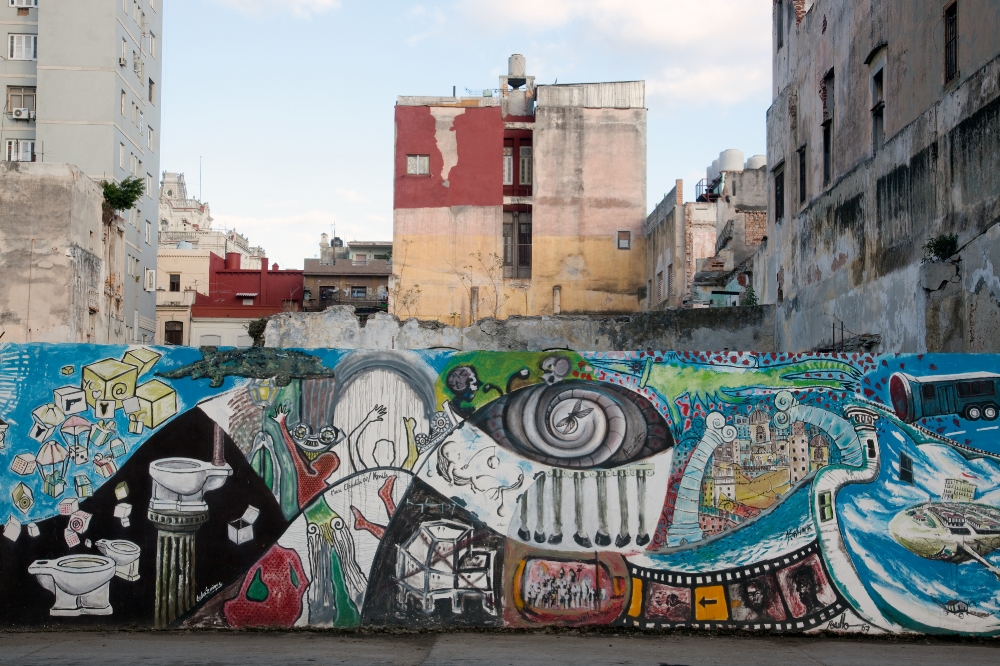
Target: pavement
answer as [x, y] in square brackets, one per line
[446, 649]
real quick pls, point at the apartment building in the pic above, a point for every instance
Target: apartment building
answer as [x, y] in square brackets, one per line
[524, 200]
[81, 83]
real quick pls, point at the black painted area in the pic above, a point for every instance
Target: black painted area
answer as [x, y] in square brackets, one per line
[24, 602]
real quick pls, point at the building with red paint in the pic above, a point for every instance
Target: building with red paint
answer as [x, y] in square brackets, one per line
[236, 296]
[528, 202]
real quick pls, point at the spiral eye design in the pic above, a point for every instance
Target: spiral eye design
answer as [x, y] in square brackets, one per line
[576, 424]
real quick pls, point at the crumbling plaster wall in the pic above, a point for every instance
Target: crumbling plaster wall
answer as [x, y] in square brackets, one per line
[678, 329]
[852, 253]
[50, 253]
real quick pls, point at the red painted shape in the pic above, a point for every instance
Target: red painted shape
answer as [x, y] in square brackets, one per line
[362, 523]
[311, 476]
[283, 604]
[385, 494]
[477, 178]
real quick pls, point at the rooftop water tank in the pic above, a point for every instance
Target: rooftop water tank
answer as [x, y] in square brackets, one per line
[516, 66]
[713, 171]
[756, 162]
[731, 160]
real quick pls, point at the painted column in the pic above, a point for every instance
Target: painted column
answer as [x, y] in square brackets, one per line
[175, 562]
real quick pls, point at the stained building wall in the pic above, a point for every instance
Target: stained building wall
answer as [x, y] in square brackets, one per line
[850, 249]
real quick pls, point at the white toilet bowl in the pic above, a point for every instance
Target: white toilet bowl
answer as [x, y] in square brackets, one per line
[179, 484]
[80, 582]
[126, 557]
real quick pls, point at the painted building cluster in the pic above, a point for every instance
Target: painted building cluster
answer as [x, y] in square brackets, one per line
[529, 202]
[169, 487]
[81, 95]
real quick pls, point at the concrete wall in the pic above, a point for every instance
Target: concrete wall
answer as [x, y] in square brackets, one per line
[344, 489]
[53, 256]
[741, 328]
[852, 252]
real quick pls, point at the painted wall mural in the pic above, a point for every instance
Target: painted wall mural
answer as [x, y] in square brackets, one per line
[176, 487]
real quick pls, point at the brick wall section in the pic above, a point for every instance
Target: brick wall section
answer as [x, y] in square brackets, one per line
[756, 227]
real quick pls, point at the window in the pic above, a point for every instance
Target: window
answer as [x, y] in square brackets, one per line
[828, 92]
[23, 47]
[149, 185]
[152, 91]
[138, 168]
[878, 112]
[951, 42]
[142, 123]
[124, 55]
[905, 468]
[508, 165]
[418, 165]
[149, 138]
[131, 163]
[121, 155]
[359, 292]
[624, 240]
[20, 150]
[649, 293]
[525, 166]
[670, 281]
[149, 232]
[659, 287]
[802, 175]
[173, 333]
[123, 104]
[779, 22]
[976, 389]
[928, 392]
[825, 506]
[517, 245]
[175, 282]
[779, 194]
[524, 247]
[152, 53]
[20, 98]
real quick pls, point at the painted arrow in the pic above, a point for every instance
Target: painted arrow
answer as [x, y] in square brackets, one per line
[707, 602]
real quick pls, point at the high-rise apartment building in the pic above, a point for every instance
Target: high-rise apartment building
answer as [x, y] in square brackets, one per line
[81, 81]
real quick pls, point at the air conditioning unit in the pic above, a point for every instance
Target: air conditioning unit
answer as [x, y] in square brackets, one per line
[22, 114]
[122, 61]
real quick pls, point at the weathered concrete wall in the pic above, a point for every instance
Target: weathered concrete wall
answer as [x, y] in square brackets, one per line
[852, 252]
[731, 328]
[51, 246]
[176, 488]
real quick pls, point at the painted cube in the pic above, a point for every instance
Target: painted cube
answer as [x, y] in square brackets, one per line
[72, 538]
[33, 530]
[240, 531]
[143, 359]
[70, 399]
[41, 432]
[48, 415]
[135, 424]
[23, 464]
[125, 522]
[121, 491]
[23, 498]
[118, 448]
[12, 530]
[101, 431]
[131, 406]
[104, 409]
[3, 433]
[54, 486]
[105, 465]
[109, 380]
[79, 454]
[84, 488]
[79, 522]
[159, 402]
[69, 506]
[123, 510]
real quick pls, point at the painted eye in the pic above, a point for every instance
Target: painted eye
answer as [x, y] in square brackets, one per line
[327, 435]
[576, 424]
[300, 432]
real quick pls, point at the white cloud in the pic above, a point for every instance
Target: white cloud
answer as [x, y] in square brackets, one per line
[718, 50]
[300, 8]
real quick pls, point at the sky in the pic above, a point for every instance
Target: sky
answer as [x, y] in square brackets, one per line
[289, 105]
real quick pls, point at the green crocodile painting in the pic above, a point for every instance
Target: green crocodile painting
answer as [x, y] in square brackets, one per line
[255, 362]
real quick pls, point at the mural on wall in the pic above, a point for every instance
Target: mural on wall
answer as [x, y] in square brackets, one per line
[176, 487]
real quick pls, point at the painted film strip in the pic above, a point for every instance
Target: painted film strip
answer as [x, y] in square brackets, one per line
[793, 593]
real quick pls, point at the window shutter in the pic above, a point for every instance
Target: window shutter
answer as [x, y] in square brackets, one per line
[411, 164]
[425, 165]
[27, 149]
[508, 166]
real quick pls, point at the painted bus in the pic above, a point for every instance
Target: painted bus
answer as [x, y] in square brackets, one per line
[972, 396]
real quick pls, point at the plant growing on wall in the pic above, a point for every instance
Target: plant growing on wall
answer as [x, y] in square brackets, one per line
[405, 299]
[489, 267]
[121, 196]
[749, 297]
[940, 248]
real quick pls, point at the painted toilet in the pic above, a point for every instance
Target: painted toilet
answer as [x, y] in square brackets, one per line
[80, 582]
[126, 557]
[179, 484]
